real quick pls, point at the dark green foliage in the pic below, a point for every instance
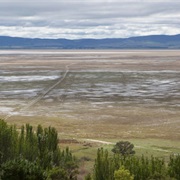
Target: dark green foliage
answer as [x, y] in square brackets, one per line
[28, 147]
[174, 166]
[21, 169]
[141, 168]
[124, 148]
[57, 174]
[158, 176]
[103, 168]
[8, 141]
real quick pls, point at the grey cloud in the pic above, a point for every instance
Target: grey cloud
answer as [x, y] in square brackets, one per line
[88, 18]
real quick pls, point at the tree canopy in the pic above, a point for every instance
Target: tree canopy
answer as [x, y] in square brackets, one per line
[34, 154]
[123, 148]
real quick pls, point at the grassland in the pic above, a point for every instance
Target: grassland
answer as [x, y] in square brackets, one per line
[96, 95]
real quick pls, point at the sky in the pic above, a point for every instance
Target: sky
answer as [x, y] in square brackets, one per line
[76, 19]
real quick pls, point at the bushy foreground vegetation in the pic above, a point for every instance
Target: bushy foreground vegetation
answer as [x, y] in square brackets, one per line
[33, 155]
[119, 167]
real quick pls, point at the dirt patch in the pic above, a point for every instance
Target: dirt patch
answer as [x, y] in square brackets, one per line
[68, 141]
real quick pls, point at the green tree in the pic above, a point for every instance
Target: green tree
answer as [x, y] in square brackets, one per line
[57, 174]
[8, 141]
[103, 168]
[29, 146]
[124, 148]
[174, 166]
[21, 169]
[158, 176]
[123, 174]
[140, 167]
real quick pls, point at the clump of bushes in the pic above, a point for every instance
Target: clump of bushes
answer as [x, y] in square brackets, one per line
[34, 154]
[129, 167]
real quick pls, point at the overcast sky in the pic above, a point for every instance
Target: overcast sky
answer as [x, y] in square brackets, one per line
[74, 19]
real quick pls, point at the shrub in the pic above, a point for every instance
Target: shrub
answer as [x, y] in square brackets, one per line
[124, 148]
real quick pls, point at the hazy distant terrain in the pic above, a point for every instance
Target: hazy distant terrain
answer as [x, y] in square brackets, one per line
[141, 42]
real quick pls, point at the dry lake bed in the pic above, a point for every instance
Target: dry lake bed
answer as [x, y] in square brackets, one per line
[98, 94]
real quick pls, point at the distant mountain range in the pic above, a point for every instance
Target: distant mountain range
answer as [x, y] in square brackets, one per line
[140, 42]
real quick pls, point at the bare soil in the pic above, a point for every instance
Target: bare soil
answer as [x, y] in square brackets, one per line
[103, 94]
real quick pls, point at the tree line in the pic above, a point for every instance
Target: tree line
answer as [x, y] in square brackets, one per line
[34, 154]
[130, 167]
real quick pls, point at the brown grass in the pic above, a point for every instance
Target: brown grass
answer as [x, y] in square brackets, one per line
[153, 129]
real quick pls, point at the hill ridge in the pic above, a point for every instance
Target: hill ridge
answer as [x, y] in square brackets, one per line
[138, 42]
